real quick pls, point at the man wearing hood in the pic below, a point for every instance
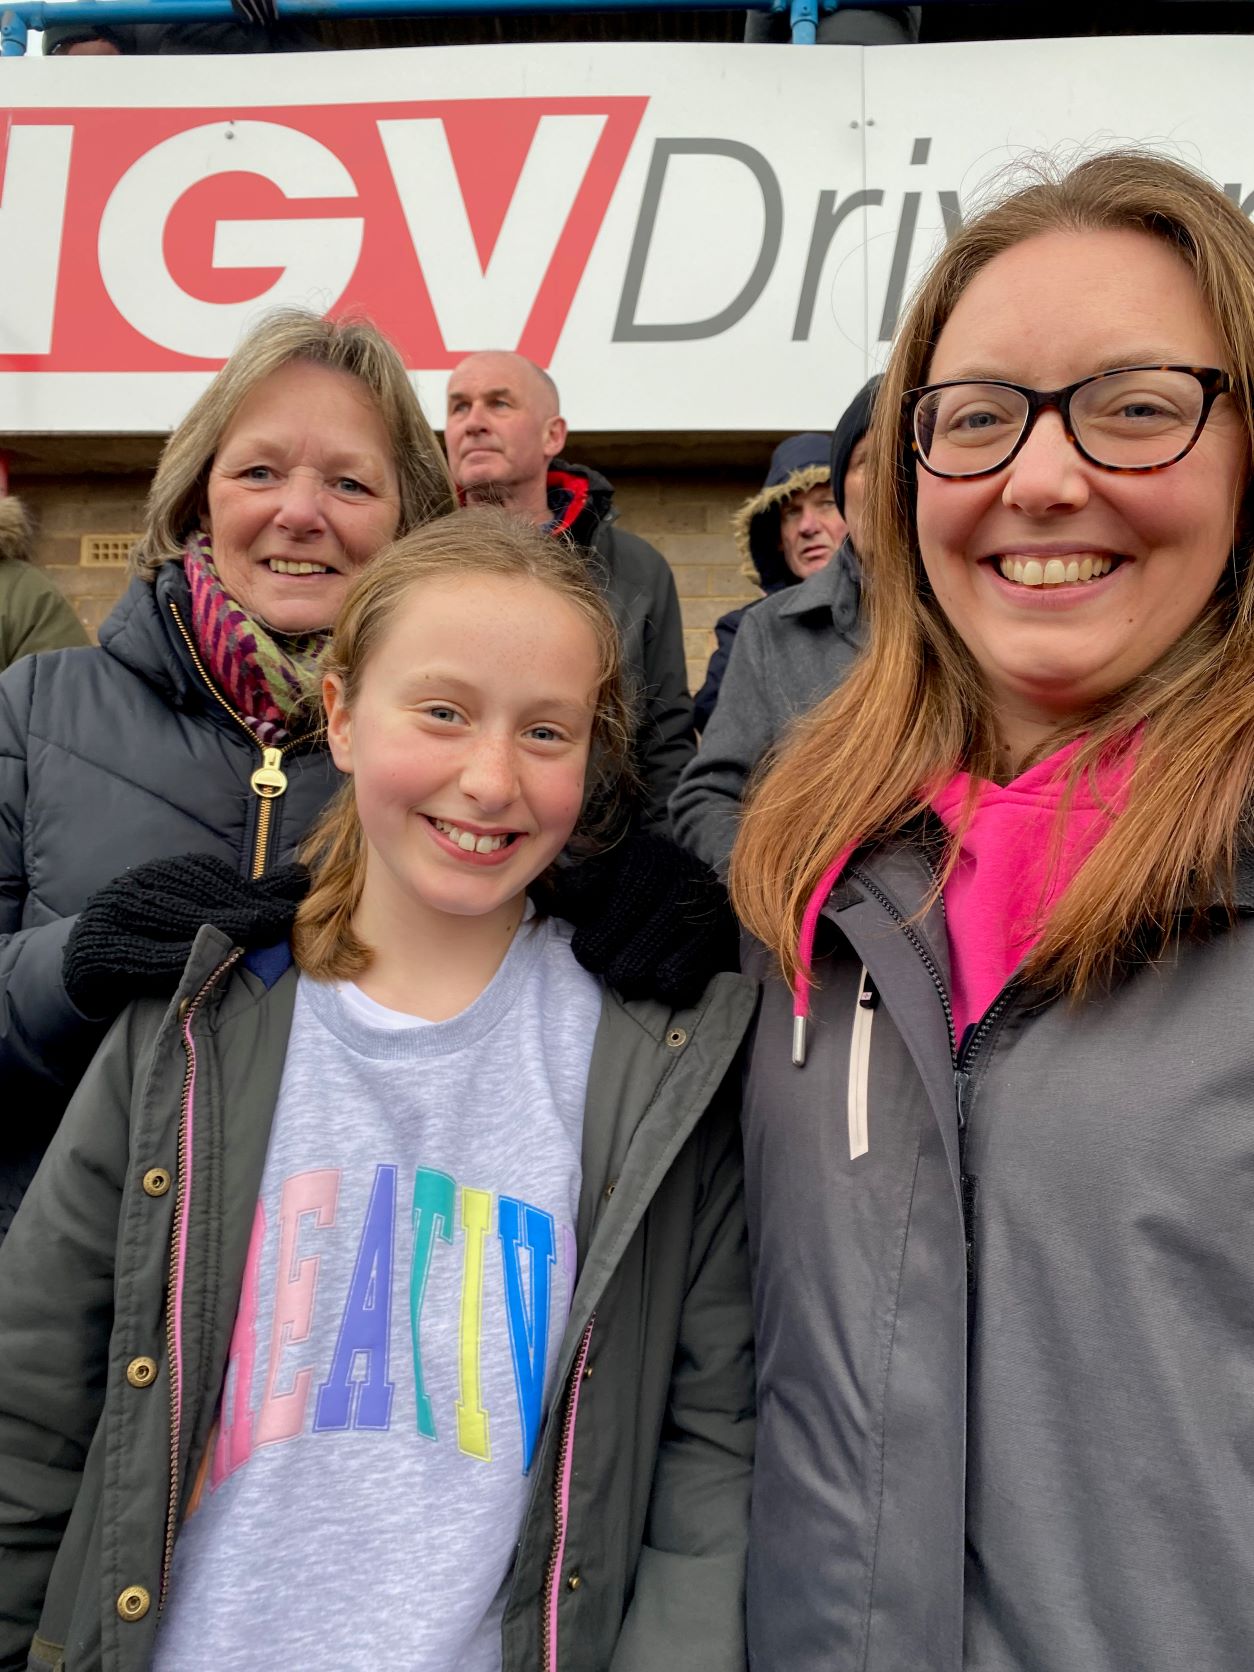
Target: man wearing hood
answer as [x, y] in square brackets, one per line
[790, 648]
[786, 532]
[504, 434]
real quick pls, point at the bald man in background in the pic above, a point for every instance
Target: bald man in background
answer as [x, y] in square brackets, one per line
[504, 435]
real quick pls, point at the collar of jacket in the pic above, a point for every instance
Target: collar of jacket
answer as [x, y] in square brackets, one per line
[835, 590]
[141, 634]
[904, 871]
[598, 506]
[242, 977]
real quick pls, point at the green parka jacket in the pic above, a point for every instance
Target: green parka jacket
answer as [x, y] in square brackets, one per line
[125, 1263]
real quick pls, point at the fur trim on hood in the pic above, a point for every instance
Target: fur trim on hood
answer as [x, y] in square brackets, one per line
[797, 464]
[17, 540]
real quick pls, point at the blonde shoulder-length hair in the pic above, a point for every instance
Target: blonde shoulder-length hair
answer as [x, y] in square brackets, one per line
[478, 542]
[176, 500]
[856, 769]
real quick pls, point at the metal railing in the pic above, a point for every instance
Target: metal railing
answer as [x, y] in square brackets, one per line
[16, 20]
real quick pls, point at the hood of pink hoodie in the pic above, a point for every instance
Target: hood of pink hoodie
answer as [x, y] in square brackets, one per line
[1012, 866]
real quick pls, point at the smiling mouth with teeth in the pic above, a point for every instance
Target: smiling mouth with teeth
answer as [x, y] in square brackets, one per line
[1053, 571]
[285, 566]
[469, 842]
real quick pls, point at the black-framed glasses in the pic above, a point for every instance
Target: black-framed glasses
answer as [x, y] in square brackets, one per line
[1137, 418]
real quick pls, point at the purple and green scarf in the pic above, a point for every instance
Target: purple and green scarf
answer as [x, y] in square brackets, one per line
[271, 678]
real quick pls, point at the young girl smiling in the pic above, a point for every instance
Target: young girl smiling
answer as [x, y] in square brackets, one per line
[303, 1312]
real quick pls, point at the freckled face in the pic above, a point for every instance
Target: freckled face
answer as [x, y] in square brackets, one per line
[1051, 310]
[302, 492]
[468, 743]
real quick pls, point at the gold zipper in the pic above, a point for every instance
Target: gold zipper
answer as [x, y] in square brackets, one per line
[547, 1644]
[180, 1204]
[269, 781]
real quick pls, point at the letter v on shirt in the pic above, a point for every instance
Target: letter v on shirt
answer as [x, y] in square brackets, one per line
[408, 1283]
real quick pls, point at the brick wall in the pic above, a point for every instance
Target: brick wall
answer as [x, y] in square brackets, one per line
[64, 508]
[685, 515]
[687, 519]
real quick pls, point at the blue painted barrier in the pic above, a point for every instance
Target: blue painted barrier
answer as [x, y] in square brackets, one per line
[16, 20]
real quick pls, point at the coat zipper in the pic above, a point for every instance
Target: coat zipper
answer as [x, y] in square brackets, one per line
[269, 781]
[960, 1060]
[561, 1505]
[860, 1066]
[173, 1331]
[920, 946]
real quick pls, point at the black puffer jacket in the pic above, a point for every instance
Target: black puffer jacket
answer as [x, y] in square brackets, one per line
[111, 756]
[641, 590]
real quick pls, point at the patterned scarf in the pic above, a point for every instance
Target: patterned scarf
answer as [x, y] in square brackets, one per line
[271, 678]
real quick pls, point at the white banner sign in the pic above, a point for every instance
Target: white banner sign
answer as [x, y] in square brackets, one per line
[689, 237]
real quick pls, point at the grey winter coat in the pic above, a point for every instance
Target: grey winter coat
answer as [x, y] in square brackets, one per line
[1090, 1394]
[630, 1560]
[108, 757]
[790, 651]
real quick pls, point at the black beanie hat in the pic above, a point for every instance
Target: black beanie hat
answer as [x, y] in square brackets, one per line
[855, 421]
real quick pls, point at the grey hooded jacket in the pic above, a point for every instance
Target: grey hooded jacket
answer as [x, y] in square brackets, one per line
[631, 1555]
[1003, 1301]
[108, 757]
[791, 650]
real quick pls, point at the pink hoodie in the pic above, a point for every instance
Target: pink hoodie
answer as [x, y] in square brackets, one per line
[1003, 887]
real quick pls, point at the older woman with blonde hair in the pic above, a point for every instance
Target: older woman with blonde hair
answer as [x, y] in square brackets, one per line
[193, 728]
[1000, 1109]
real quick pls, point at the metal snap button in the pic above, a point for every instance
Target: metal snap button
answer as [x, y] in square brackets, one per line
[156, 1181]
[141, 1372]
[134, 1603]
[574, 1582]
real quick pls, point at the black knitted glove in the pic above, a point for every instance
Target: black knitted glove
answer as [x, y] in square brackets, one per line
[134, 935]
[649, 918]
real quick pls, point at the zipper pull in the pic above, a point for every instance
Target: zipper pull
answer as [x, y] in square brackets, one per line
[961, 1078]
[269, 780]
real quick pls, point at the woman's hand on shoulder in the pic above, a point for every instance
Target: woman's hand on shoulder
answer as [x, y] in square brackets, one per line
[649, 918]
[134, 935]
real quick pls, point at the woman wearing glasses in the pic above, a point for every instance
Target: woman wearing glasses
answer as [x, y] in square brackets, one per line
[1000, 1111]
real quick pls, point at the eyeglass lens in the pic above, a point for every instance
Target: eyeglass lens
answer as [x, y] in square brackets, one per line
[1132, 419]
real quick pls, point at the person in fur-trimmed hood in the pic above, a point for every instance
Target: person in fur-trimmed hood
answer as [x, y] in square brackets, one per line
[791, 647]
[33, 613]
[791, 528]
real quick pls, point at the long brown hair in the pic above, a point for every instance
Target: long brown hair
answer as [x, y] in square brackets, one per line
[176, 500]
[481, 541]
[914, 708]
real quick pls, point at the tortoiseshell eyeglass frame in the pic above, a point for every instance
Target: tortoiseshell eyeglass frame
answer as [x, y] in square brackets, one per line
[1212, 381]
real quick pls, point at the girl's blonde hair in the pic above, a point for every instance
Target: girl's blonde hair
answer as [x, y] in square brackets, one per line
[915, 708]
[177, 498]
[477, 542]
